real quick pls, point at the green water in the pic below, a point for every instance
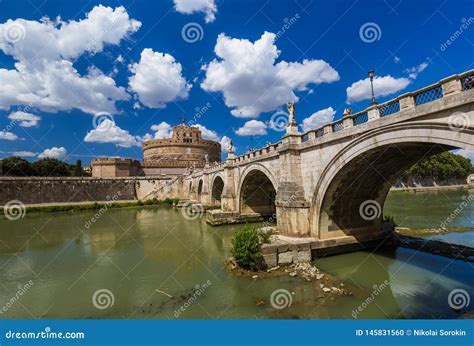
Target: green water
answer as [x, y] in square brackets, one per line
[139, 253]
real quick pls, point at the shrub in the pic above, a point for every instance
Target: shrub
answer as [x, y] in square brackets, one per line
[389, 219]
[246, 248]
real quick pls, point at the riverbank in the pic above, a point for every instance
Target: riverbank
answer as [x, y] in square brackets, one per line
[82, 206]
[431, 188]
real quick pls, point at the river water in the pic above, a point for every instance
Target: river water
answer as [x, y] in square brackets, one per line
[144, 255]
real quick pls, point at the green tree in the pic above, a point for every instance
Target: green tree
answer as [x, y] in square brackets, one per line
[51, 168]
[441, 167]
[16, 166]
[78, 169]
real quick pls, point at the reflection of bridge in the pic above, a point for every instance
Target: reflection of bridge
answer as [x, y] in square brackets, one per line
[316, 182]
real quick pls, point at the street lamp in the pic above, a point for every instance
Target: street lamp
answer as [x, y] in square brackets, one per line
[371, 76]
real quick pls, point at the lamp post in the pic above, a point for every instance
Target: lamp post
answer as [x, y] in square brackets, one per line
[371, 76]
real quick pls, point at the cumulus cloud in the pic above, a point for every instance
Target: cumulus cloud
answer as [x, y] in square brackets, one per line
[157, 79]
[251, 83]
[383, 86]
[207, 133]
[44, 52]
[54, 153]
[9, 136]
[162, 130]
[208, 7]
[318, 118]
[25, 119]
[252, 128]
[108, 132]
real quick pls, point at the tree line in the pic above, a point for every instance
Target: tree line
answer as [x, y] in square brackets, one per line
[47, 167]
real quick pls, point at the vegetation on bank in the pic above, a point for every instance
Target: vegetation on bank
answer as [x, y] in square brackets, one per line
[440, 167]
[100, 205]
[246, 247]
[18, 167]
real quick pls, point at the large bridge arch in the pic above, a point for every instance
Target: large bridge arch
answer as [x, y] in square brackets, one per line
[200, 188]
[257, 191]
[356, 181]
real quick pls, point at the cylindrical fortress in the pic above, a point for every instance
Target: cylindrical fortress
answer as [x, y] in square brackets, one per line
[185, 148]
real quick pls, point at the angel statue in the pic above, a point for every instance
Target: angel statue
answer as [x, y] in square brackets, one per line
[230, 146]
[291, 112]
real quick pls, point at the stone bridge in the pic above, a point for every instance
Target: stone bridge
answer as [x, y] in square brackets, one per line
[330, 183]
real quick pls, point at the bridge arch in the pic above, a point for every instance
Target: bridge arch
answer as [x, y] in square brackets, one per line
[199, 189]
[349, 197]
[217, 187]
[257, 191]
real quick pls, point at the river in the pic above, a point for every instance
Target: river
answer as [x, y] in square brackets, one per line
[142, 256]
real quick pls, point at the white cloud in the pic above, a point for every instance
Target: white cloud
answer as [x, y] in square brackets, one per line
[54, 153]
[25, 119]
[252, 128]
[44, 52]
[224, 143]
[415, 70]
[9, 136]
[208, 134]
[108, 132]
[208, 7]
[157, 79]
[383, 86]
[251, 83]
[318, 118]
[162, 130]
[466, 153]
[23, 153]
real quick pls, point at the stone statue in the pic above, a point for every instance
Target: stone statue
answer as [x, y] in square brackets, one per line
[230, 146]
[291, 112]
[206, 158]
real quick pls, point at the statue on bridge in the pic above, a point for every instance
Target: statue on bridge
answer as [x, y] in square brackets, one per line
[291, 112]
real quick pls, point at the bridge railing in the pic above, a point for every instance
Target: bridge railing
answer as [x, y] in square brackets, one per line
[456, 83]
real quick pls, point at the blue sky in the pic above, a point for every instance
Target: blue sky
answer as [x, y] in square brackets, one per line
[97, 78]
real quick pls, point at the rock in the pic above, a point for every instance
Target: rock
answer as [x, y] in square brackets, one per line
[255, 277]
[270, 260]
[321, 285]
[293, 274]
[319, 276]
[326, 289]
[273, 269]
[285, 258]
[303, 256]
[342, 285]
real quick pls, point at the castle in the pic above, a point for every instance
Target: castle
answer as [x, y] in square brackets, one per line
[185, 150]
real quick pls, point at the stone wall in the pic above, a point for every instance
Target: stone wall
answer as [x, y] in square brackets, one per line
[36, 190]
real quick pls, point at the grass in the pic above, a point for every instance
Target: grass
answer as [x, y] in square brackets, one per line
[99, 205]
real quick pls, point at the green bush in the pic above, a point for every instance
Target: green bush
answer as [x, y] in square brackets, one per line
[389, 219]
[246, 248]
